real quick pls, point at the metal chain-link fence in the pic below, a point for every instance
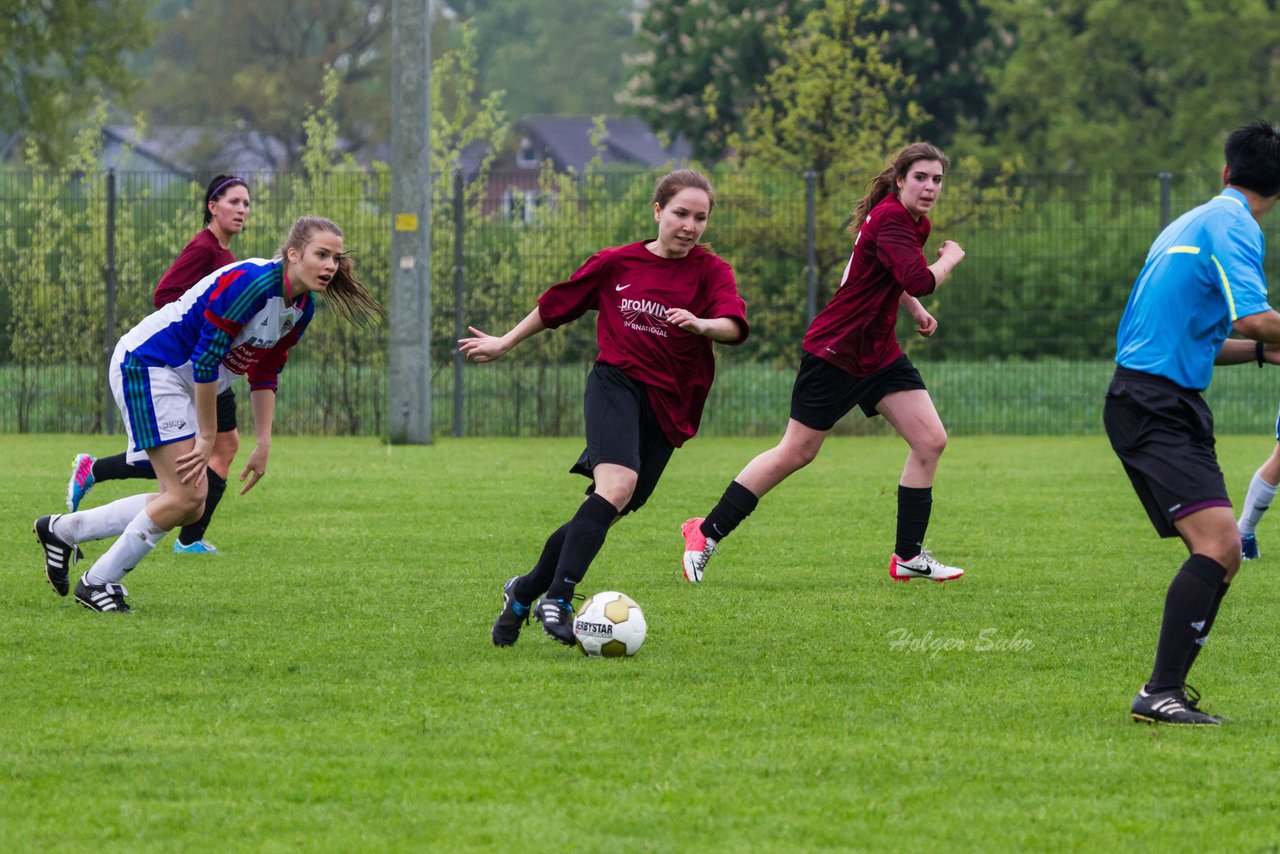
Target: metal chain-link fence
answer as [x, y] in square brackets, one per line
[1026, 324]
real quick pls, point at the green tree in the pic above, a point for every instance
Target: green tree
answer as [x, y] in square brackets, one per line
[264, 68]
[60, 57]
[836, 106]
[1107, 84]
[946, 46]
[700, 62]
[523, 50]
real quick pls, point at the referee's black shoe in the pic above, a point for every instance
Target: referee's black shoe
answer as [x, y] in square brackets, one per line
[556, 616]
[506, 629]
[1169, 707]
[58, 555]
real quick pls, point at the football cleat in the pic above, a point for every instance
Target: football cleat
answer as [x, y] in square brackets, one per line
[58, 555]
[697, 549]
[506, 629]
[1248, 547]
[81, 481]
[199, 547]
[1169, 707]
[556, 616]
[105, 597]
[923, 565]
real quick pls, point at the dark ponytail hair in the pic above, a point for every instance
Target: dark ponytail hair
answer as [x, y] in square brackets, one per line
[219, 185]
[887, 181]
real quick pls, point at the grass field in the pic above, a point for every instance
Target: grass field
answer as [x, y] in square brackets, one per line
[327, 682]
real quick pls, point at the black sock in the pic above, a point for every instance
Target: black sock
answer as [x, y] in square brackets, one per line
[194, 532]
[914, 505]
[582, 541]
[1204, 633]
[535, 582]
[735, 505]
[116, 468]
[1186, 608]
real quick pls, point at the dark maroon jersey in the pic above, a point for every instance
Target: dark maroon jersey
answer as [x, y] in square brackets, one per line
[855, 332]
[199, 258]
[632, 289]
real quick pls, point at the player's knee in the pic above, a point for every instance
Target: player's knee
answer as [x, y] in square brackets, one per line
[934, 443]
[618, 491]
[1230, 556]
[800, 454]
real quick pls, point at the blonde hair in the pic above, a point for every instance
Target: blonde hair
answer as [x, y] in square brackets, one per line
[887, 181]
[349, 296]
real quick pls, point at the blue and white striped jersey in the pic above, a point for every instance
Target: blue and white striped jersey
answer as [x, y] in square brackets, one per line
[238, 317]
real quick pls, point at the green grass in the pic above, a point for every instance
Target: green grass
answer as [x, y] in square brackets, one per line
[327, 682]
[529, 397]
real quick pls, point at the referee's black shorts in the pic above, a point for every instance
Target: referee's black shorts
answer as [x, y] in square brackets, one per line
[823, 393]
[622, 429]
[1163, 433]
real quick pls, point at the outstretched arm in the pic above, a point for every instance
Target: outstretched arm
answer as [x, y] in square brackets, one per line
[484, 347]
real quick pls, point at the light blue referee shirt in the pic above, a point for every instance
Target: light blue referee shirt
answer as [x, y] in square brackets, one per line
[1203, 272]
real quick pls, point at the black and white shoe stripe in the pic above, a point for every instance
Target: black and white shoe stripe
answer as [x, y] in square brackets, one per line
[106, 597]
[59, 556]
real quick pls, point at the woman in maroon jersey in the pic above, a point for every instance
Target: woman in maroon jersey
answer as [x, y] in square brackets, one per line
[226, 207]
[852, 358]
[661, 303]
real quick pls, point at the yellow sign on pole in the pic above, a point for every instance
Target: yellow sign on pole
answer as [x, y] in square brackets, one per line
[406, 222]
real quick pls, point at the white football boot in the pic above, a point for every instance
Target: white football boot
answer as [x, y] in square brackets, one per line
[923, 565]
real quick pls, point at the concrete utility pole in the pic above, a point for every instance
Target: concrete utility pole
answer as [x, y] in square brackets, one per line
[409, 380]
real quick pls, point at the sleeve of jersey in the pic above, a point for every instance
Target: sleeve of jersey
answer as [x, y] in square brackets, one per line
[265, 374]
[566, 301]
[186, 270]
[898, 249]
[1240, 269]
[725, 300]
[236, 297]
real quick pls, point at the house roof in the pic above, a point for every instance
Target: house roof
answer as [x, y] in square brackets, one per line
[173, 147]
[566, 140]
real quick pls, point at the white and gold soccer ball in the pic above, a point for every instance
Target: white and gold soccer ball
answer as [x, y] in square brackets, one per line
[610, 624]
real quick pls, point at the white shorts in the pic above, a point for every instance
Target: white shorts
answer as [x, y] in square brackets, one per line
[157, 404]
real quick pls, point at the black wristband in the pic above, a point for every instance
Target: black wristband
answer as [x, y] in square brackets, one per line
[1257, 353]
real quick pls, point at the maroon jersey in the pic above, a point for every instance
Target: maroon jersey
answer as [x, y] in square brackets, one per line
[199, 258]
[855, 332]
[632, 289]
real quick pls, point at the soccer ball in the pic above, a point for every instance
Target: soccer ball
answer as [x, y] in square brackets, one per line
[610, 624]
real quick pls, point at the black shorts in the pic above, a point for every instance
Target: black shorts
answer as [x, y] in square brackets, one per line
[1163, 433]
[226, 410]
[622, 429]
[823, 393]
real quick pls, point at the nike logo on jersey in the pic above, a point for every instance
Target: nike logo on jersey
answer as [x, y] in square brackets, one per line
[621, 287]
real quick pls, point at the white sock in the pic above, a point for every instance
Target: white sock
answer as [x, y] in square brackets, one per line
[137, 541]
[98, 523]
[1256, 502]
